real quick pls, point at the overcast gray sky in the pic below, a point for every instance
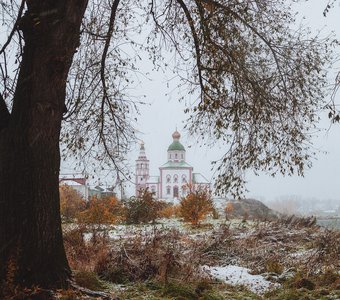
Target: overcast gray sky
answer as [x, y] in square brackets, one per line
[159, 119]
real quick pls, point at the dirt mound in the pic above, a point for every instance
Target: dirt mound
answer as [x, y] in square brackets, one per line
[251, 209]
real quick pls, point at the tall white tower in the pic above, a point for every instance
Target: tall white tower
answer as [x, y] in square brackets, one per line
[142, 170]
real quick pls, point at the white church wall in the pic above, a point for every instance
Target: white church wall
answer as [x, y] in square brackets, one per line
[178, 155]
[171, 173]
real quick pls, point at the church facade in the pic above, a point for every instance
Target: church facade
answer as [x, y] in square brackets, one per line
[175, 176]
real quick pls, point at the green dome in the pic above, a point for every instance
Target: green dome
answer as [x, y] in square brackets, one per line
[176, 145]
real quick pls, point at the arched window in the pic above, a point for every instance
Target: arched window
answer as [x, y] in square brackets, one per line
[175, 178]
[168, 179]
[184, 179]
[175, 155]
[175, 191]
[168, 190]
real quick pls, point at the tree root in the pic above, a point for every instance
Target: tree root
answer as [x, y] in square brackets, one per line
[88, 292]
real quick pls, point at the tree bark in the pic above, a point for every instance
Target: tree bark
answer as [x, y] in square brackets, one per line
[31, 246]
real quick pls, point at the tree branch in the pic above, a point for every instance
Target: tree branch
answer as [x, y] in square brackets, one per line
[256, 32]
[4, 113]
[103, 60]
[196, 42]
[22, 6]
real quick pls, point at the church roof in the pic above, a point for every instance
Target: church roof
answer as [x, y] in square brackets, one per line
[174, 165]
[199, 178]
[176, 145]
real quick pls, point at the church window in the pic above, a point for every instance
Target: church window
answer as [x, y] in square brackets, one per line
[175, 178]
[176, 191]
[184, 179]
[168, 190]
[168, 178]
[176, 155]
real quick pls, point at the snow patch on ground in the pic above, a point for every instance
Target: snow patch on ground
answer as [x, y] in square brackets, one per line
[235, 275]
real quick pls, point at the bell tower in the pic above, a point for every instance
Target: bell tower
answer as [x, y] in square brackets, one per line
[142, 170]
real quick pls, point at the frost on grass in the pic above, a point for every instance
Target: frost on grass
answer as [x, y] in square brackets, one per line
[236, 275]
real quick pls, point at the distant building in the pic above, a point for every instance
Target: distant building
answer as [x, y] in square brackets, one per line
[79, 183]
[174, 176]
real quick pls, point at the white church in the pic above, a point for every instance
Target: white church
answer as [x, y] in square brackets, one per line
[174, 176]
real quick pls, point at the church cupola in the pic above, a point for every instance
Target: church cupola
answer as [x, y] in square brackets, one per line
[176, 151]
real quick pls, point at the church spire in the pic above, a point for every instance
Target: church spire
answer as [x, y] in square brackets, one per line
[142, 169]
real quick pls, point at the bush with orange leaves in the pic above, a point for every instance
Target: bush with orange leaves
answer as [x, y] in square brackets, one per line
[102, 211]
[228, 210]
[196, 206]
[170, 211]
[71, 202]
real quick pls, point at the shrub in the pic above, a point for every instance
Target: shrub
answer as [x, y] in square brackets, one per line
[196, 206]
[143, 209]
[274, 266]
[160, 255]
[170, 211]
[71, 202]
[102, 211]
[215, 213]
[82, 255]
[228, 210]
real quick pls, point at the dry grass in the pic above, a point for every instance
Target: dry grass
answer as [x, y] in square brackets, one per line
[84, 255]
[161, 255]
[295, 255]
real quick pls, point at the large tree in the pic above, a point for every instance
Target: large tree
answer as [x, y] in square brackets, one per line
[256, 80]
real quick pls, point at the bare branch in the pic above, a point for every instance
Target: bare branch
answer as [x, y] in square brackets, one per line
[21, 9]
[103, 60]
[196, 41]
[107, 45]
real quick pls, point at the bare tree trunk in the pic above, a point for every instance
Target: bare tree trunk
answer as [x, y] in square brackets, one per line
[31, 246]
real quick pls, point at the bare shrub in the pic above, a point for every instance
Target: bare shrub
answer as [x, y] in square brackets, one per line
[83, 255]
[326, 256]
[159, 255]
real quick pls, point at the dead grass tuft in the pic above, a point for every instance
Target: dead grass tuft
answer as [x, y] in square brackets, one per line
[161, 255]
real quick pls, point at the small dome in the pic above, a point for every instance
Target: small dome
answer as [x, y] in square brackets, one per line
[176, 135]
[176, 145]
